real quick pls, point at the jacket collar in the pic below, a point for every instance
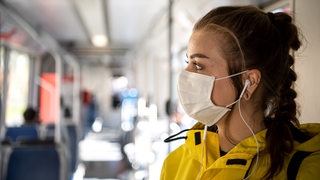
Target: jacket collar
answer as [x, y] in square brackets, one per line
[247, 147]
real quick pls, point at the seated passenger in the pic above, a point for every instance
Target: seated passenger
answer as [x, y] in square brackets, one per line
[31, 116]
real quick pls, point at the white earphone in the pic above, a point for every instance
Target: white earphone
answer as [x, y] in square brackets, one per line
[246, 84]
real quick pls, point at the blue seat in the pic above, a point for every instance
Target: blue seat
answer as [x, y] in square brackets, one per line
[15, 134]
[50, 128]
[33, 163]
[71, 132]
[73, 143]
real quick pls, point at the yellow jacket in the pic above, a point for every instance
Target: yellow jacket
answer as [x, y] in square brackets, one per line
[184, 163]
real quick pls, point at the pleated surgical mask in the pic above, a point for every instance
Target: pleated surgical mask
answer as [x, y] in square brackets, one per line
[194, 92]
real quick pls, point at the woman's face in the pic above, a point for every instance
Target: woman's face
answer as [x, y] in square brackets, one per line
[205, 57]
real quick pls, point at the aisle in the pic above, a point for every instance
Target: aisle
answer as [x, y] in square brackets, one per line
[100, 152]
[106, 154]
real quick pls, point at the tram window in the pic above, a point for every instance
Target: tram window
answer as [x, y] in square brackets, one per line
[17, 95]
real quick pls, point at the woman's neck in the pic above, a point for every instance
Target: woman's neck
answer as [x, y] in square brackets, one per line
[233, 130]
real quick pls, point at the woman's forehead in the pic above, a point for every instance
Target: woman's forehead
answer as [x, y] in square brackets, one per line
[203, 41]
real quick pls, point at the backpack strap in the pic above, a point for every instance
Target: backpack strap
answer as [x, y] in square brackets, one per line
[294, 164]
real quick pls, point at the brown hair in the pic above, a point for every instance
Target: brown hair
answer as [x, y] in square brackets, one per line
[259, 40]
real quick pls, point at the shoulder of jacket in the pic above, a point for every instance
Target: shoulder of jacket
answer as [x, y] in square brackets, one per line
[310, 167]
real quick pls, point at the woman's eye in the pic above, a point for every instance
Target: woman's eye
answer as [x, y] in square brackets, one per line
[194, 63]
[197, 66]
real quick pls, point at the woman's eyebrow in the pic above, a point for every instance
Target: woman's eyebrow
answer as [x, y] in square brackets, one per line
[198, 55]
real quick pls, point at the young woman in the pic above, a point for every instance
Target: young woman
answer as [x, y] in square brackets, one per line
[238, 85]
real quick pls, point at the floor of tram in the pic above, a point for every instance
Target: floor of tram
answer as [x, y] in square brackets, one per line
[102, 158]
[101, 155]
[111, 154]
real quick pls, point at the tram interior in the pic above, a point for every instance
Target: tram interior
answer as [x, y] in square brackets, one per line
[101, 76]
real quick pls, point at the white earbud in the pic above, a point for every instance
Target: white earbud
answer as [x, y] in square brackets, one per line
[246, 84]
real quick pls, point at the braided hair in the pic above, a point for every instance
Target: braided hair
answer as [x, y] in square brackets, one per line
[263, 41]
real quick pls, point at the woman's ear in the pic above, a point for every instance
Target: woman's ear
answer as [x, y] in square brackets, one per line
[254, 77]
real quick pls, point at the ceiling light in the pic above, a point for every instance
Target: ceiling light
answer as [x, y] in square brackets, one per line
[99, 40]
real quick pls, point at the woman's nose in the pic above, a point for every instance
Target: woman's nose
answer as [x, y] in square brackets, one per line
[189, 67]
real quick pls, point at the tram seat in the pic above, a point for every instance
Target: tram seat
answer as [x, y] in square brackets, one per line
[15, 134]
[73, 143]
[71, 132]
[50, 131]
[33, 163]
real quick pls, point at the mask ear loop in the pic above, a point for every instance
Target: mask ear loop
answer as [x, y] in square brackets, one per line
[247, 83]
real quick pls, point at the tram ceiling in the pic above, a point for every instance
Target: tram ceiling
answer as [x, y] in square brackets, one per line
[119, 25]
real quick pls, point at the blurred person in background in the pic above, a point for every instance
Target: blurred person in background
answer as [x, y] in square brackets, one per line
[31, 116]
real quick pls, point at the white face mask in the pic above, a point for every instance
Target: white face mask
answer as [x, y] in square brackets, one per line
[195, 90]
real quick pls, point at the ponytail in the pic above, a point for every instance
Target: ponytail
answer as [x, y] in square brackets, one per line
[279, 136]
